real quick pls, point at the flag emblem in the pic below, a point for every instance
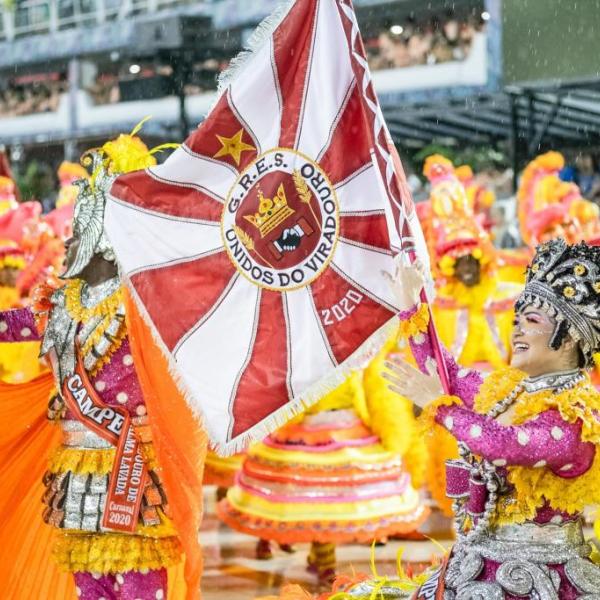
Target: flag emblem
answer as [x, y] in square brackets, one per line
[280, 223]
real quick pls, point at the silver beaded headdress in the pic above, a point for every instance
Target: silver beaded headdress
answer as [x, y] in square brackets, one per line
[565, 281]
[88, 218]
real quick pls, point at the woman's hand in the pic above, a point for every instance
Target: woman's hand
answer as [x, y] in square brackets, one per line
[407, 281]
[409, 382]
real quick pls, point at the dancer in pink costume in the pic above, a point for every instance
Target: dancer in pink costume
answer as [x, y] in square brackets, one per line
[528, 437]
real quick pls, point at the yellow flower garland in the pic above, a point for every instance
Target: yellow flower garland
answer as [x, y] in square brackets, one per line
[12, 262]
[534, 486]
[416, 324]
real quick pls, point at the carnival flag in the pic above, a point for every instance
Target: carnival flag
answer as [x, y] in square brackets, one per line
[256, 250]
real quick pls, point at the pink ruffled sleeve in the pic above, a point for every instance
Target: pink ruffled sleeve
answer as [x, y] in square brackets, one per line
[546, 441]
[18, 325]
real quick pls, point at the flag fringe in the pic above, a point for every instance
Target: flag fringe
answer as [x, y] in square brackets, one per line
[264, 30]
[359, 359]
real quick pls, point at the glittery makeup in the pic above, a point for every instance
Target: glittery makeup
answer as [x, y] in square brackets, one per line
[532, 333]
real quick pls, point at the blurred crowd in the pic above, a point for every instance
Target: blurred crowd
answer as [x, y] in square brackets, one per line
[423, 43]
[110, 85]
[150, 80]
[583, 169]
[18, 99]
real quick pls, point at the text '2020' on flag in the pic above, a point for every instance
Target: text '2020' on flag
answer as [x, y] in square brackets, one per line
[256, 250]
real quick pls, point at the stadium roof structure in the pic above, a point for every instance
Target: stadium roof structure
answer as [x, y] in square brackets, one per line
[529, 118]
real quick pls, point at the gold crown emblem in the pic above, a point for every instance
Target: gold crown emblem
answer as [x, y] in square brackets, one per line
[271, 212]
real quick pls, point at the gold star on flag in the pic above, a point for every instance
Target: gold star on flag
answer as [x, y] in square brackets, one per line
[233, 146]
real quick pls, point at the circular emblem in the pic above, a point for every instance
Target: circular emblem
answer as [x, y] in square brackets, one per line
[281, 220]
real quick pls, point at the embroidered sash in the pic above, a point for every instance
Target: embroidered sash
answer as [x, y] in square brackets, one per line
[129, 471]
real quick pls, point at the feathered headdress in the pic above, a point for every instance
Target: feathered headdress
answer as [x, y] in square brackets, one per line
[126, 153]
[454, 230]
[549, 207]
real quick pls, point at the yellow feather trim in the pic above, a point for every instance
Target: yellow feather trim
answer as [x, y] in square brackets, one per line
[107, 356]
[475, 296]
[496, 386]
[582, 402]
[416, 459]
[390, 415]
[114, 552]
[83, 462]
[417, 323]
[441, 446]
[107, 309]
[343, 396]
[98, 334]
[88, 461]
[533, 486]
[427, 417]
[78, 312]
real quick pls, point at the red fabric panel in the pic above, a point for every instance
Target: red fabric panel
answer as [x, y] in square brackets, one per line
[348, 316]
[175, 314]
[293, 41]
[262, 388]
[140, 189]
[350, 146]
[223, 122]
[370, 230]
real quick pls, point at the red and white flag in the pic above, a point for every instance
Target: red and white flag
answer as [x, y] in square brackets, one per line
[257, 249]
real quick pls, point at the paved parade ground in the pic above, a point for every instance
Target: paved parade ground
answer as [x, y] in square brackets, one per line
[232, 571]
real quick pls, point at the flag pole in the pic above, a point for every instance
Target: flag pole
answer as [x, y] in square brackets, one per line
[442, 367]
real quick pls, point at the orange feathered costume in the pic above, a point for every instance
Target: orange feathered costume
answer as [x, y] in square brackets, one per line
[26, 437]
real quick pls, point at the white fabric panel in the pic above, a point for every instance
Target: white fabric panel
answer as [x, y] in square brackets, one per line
[365, 266]
[211, 357]
[360, 193]
[143, 238]
[257, 99]
[210, 176]
[309, 359]
[330, 76]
